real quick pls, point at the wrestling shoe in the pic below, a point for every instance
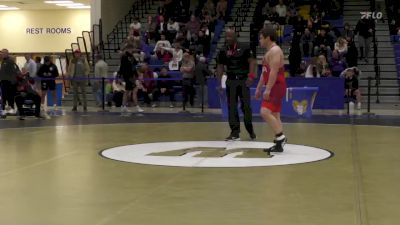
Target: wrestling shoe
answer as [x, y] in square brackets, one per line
[278, 147]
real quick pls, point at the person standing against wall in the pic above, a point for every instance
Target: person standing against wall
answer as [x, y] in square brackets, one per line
[8, 80]
[79, 69]
[187, 70]
[100, 71]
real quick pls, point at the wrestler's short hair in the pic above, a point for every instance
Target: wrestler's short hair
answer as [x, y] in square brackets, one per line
[269, 31]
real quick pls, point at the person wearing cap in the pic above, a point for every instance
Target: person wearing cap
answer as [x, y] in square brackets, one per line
[48, 72]
[79, 70]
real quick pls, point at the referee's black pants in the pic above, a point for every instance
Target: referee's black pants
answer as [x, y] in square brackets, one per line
[237, 89]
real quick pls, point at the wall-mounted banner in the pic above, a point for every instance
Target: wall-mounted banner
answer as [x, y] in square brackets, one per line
[48, 30]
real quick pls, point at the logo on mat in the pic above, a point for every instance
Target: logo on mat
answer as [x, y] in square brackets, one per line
[214, 154]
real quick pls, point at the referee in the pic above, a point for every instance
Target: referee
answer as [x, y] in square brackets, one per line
[241, 71]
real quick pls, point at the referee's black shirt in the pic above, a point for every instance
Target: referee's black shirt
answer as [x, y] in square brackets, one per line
[236, 59]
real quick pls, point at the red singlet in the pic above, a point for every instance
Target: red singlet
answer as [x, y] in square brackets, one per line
[278, 91]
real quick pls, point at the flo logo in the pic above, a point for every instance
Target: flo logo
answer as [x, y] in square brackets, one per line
[371, 15]
[214, 154]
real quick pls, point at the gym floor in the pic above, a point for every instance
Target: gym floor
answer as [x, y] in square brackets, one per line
[52, 173]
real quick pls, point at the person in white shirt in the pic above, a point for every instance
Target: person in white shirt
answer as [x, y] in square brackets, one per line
[100, 71]
[30, 65]
[173, 28]
[32, 68]
[135, 26]
[282, 12]
[177, 55]
[162, 43]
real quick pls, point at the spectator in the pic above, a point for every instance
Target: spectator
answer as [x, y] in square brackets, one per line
[181, 39]
[177, 55]
[163, 42]
[323, 44]
[364, 29]
[341, 46]
[267, 9]
[301, 70]
[119, 96]
[294, 57]
[193, 26]
[312, 71]
[169, 6]
[38, 61]
[160, 11]
[209, 8]
[335, 9]
[145, 83]
[203, 43]
[30, 66]
[306, 43]
[38, 85]
[100, 71]
[352, 53]
[282, 12]
[25, 91]
[161, 27]
[172, 28]
[201, 74]
[337, 64]
[49, 72]
[150, 28]
[187, 70]
[351, 85]
[323, 66]
[164, 88]
[135, 26]
[8, 79]
[209, 22]
[79, 69]
[348, 32]
[222, 7]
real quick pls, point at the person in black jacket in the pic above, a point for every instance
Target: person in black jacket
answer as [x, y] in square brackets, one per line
[352, 53]
[365, 29]
[323, 44]
[48, 72]
[8, 79]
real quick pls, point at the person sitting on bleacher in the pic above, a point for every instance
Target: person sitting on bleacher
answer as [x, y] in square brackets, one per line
[161, 53]
[323, 66]
[145, 83]
[348, 32]
[306, 43]
[177, 54]
[323, 44]
[209, 8]
[118, 88]
[172, 29]
[164, 88]
[25, 91]
[337, 64]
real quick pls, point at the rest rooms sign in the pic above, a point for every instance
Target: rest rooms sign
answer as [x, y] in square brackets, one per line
[48, 30]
